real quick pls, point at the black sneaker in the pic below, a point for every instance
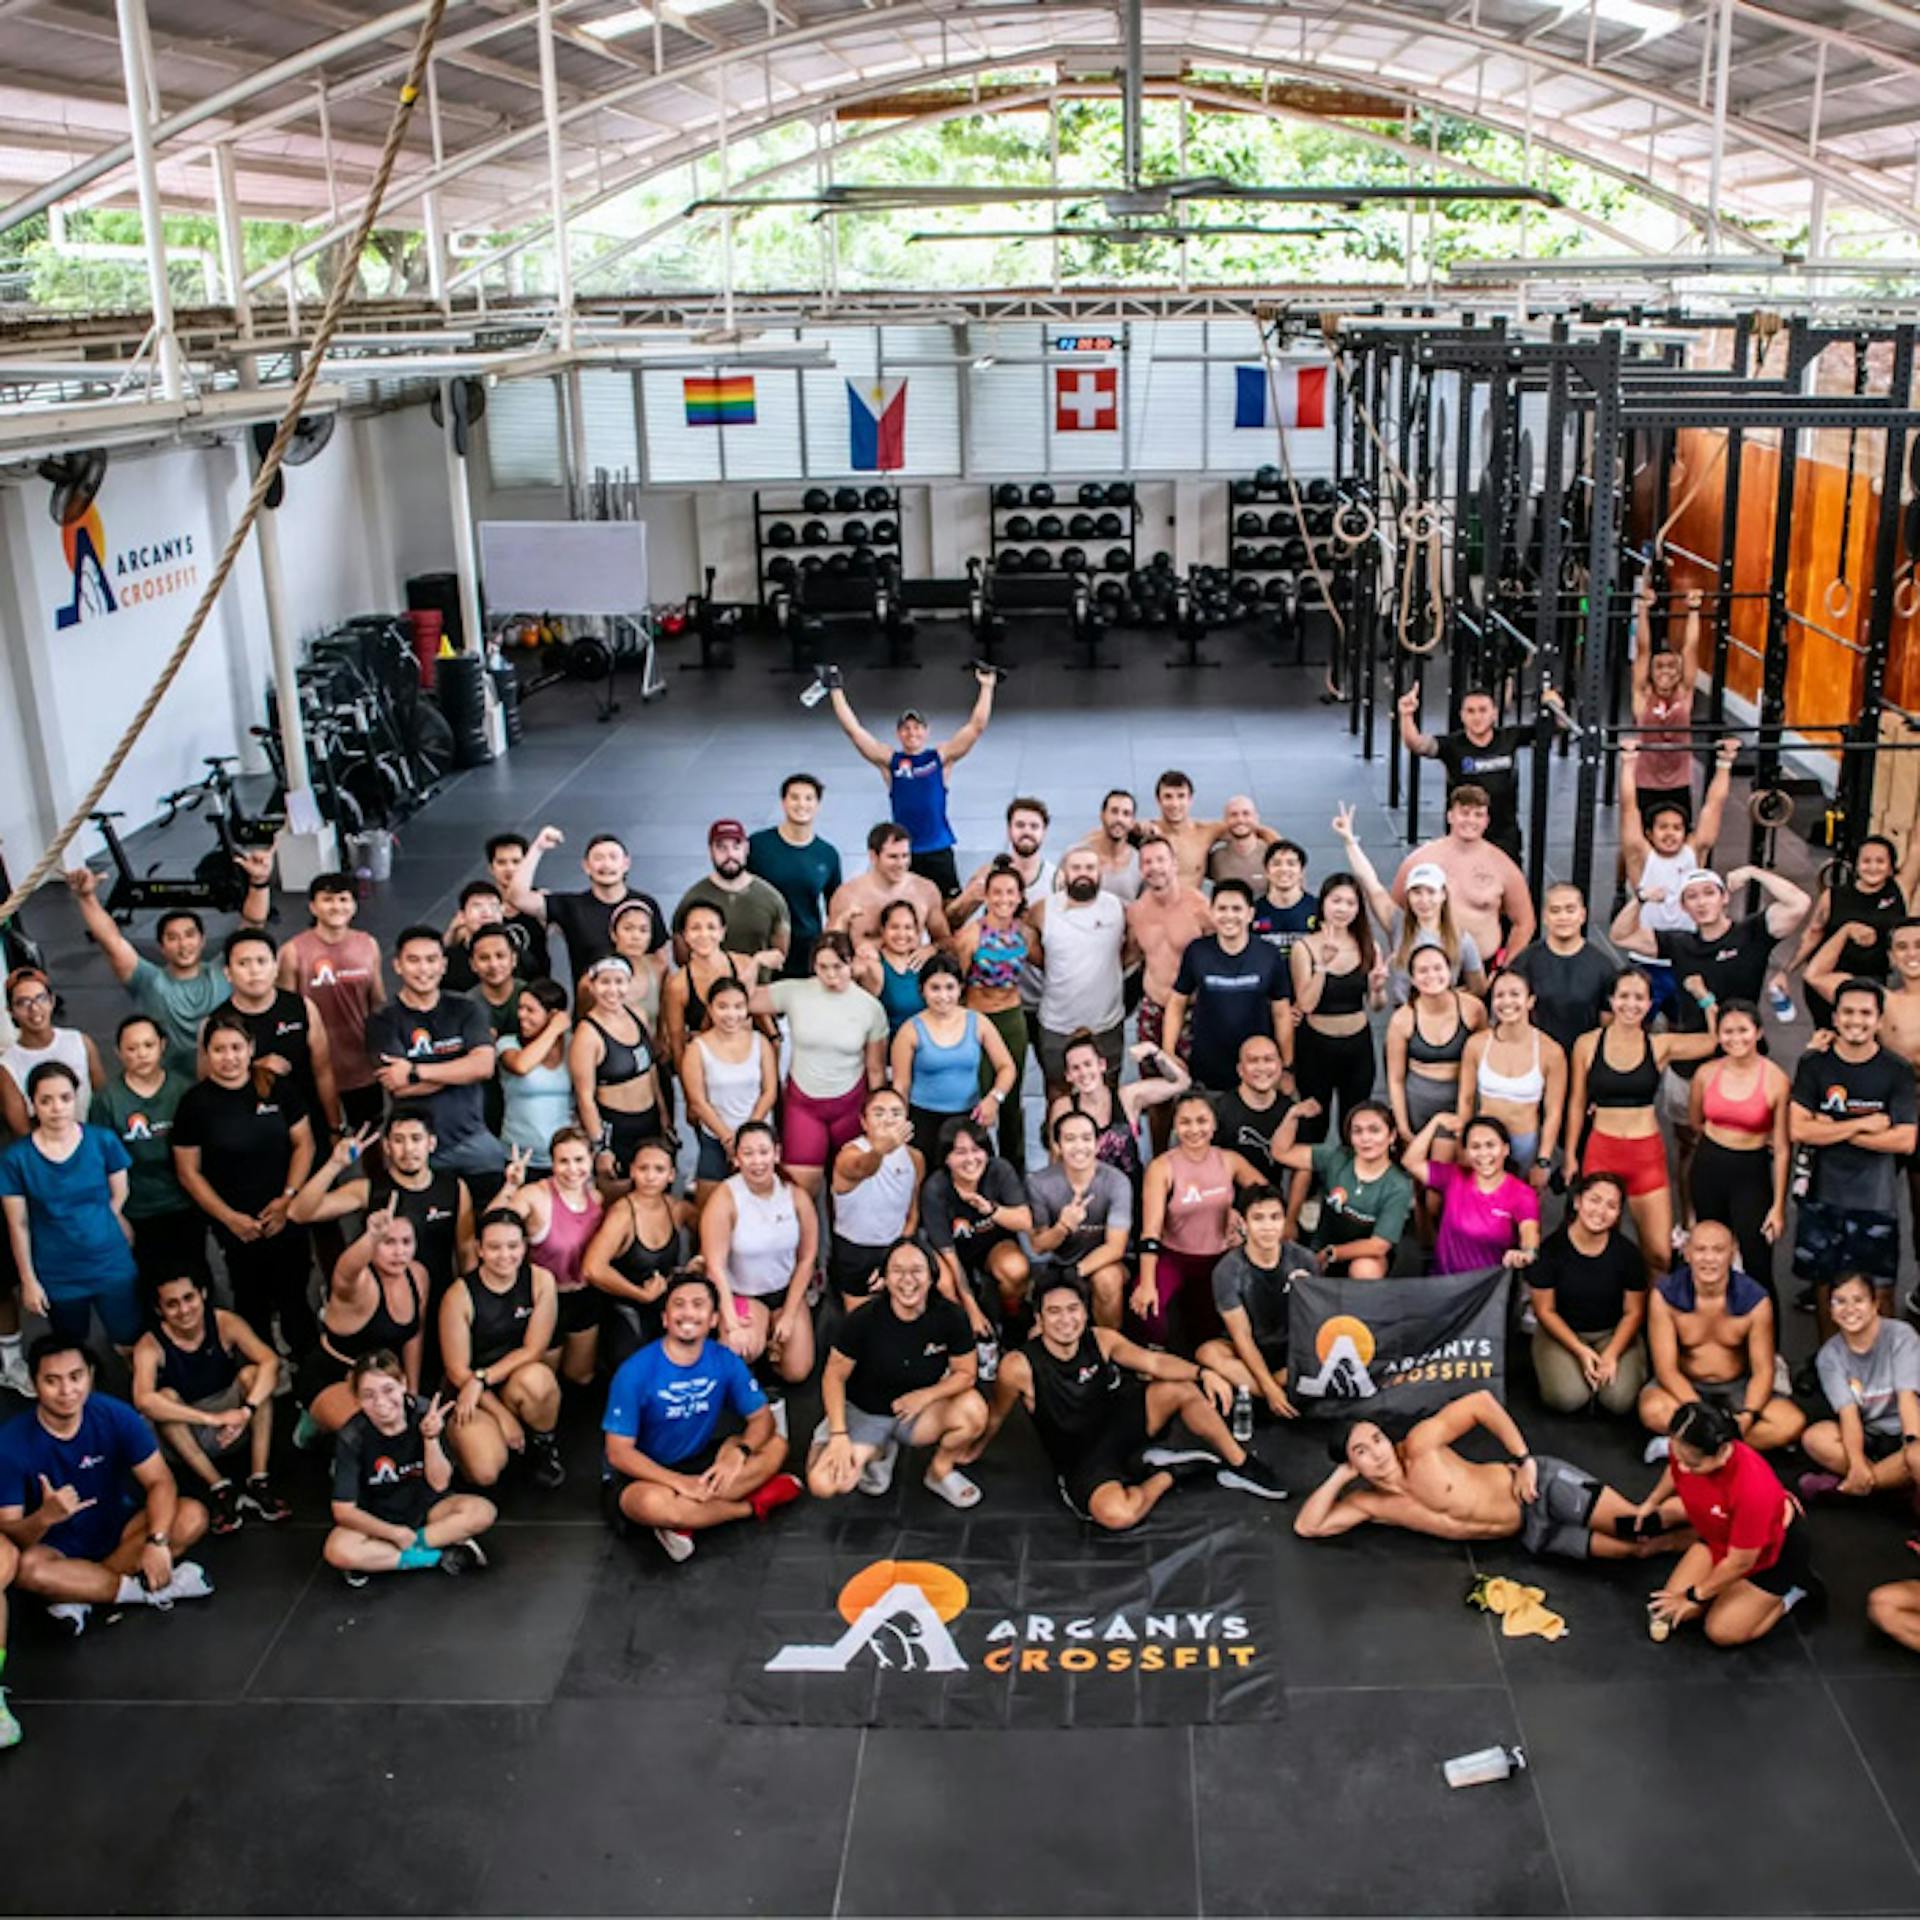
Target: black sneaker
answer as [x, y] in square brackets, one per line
[223, 1508]
[544, 1456]
[259, 1501]
[1253, 1476]
[464, 1556]
[354, 1580]
[1186, 1466]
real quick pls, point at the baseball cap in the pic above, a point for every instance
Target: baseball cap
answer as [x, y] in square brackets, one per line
[910, 713]
[1429, 873]
[725, 830]
[1702, 877]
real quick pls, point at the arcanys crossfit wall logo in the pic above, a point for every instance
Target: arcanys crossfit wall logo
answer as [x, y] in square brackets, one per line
[102, 582]
[901, 1615]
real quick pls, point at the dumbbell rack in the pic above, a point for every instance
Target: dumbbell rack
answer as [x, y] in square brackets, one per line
[1066, 503]
[784, 506]
[1268, 497]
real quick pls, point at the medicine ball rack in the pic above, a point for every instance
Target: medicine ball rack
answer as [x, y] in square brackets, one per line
[1010, 503]
[1278, 550]
[830, 511]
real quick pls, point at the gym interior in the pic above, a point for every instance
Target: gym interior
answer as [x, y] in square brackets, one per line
[425, 423]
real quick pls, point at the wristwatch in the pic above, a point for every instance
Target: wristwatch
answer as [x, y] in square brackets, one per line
[158, 1540]
[413, 1073]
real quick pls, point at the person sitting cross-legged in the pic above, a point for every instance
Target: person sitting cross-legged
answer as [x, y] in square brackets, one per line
[1251, 1286]
[1416, 1480]
[1097, 1402]
[392, 1511]
[900, 1373]
[87, 1498]
[206, 1379]
[675, 1462]
[1711, 1336]
[1870, 1373]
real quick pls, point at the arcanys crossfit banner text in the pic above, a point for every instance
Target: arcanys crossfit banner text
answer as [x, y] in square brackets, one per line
[1403, 1347]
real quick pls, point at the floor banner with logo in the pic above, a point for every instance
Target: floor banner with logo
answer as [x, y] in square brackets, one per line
[1402, 1347]
[1020, 1622]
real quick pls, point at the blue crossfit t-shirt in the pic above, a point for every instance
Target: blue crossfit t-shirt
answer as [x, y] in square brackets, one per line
[98, 1463]
[671, 1412]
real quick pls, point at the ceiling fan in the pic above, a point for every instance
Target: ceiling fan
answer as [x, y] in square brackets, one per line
[1145, 201]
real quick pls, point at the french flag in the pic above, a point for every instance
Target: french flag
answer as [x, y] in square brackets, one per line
[877, 425]
[1292, 396]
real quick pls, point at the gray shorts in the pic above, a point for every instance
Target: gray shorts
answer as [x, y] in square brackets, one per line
[868, 1429]
[1559, 1520]
[1728, 1395]
[225, 1401]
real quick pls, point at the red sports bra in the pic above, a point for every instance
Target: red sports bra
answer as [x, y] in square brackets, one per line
[1752, 1113]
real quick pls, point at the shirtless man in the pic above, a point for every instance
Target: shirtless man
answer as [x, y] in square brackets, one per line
[1117, 841]
[1241, 851]
[857, 905]
[1483, 884]
[1167, 915]
[1191, 840]
[1420, 1483]
[1027, 823]
[1710, 1336]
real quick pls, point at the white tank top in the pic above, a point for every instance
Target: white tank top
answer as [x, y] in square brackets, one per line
[69, 1047]
[874, 1214]
[1669, 870]
[766, 1239]
[733, 1086]
[1081, 984]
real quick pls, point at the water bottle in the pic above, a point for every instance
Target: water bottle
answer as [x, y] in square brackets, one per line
[1780, 1001]
[1489, 1763]
[1800, 1179]
[1242, 1417]
[987, 1352]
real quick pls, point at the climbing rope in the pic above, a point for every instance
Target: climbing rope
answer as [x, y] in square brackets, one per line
[343, 284]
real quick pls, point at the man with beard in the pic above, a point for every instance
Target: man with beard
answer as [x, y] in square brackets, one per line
[1083, 929]
[1163, 922]
[1027, 822]
[756, 915]
[1116, 844]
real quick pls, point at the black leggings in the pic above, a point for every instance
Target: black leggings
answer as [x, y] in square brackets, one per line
[1330, 1067]
[271, 1276]
[1734, 1185]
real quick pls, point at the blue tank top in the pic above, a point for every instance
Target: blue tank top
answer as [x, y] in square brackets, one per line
[946, 1079]
[918, 784]
[900, 994]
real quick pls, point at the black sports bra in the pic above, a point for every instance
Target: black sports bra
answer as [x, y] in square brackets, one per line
[1343, 993]
[622, 1061]
[1429, 1053]
[1610, 1086]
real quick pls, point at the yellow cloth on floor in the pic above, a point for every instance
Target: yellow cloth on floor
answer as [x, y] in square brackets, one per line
[1522, 1610]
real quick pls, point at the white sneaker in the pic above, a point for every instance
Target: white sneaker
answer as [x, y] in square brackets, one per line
[189, 1582]
[876, 1477]
[1782, 1377]
[14, 1375]
[9, 1726]
[777, 1402]
[675, 1545]
[1656, 1450]
[72, 1614]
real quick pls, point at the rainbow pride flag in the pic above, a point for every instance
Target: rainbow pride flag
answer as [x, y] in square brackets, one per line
[724, 402]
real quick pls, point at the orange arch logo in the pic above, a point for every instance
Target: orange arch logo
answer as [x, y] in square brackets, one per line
[1343, 1326]
[84, 541]
[946, 1592]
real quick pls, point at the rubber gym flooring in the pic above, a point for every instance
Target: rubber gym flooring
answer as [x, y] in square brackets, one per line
[587, 1729]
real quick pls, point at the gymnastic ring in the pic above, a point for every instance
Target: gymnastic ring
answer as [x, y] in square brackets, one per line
[1420, 521]
[1839, 598]
[1906, 596]
[1834, 872]
[1770, 807]
[1353, 524]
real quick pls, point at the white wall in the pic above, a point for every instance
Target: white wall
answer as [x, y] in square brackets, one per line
[370, 509]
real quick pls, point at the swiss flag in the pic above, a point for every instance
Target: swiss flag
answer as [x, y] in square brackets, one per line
[1086, 399]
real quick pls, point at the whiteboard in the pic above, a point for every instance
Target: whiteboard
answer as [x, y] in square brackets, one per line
[564, 566]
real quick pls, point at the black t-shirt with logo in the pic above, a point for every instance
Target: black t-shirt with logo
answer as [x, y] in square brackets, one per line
[892, 1356]
[448, 1030]
[585, 922]
[283, 1028]
[1230, 998]
[245, 1140]
[1495, 768]
[384, 1474]
[1246, 1130]
[1835, 1089]
[1732, 967]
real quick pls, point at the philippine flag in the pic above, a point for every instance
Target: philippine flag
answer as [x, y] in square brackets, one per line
[877, 425]
[1295, 396]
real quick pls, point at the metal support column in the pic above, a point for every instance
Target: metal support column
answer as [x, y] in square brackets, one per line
[466, 563]
[556, 179]
[1603, 561]
[1729, 538]
[136, 66]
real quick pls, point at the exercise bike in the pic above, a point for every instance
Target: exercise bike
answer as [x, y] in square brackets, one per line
[217, 881]
[17, 945]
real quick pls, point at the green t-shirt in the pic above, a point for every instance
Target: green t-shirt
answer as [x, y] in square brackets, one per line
[143, 1124]
[1353, 1209]
[754, 915]
[179, 1006]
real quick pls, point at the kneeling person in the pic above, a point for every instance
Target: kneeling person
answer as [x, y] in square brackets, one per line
[206, 1379]
[87, 1498]
[667, 1460]
[1097, 1402]
[1420, 1483]
[392, 1512]
[901, 1372]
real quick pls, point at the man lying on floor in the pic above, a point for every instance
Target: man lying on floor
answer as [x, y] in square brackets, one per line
[1420, 1483]
[1097, 1400]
